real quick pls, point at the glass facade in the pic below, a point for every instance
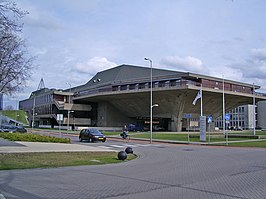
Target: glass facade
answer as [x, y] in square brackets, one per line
[240, 118]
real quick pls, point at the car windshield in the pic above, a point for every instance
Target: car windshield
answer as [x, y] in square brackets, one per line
[95, 132]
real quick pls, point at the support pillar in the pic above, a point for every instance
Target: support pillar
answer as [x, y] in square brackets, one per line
[177, 112]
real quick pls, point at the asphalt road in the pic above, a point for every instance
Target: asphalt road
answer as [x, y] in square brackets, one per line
[161, 171]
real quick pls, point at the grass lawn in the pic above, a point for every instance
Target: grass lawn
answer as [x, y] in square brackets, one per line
[28, 137]
[57, 159]
[179, 137]
[109, 133]
[18, 115]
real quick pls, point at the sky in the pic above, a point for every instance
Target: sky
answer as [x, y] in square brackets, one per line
[73, 40]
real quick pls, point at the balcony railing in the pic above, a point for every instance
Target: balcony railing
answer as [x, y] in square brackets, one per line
[176, 83]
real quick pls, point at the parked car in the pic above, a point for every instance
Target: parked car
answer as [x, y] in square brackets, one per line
[91, 135]
[133, 127]
[12, 128]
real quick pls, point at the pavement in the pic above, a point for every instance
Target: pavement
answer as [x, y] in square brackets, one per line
[22, 147]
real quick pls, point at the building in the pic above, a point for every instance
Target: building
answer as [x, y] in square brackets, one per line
[261, 113]
[45, 104]
[241, 117]
[121, 95]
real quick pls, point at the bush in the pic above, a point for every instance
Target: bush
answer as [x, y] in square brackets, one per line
[27, 137]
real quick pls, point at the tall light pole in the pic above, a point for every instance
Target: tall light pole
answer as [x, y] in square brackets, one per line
[68, 111]
[223, 109]
[151, 106]
[254, 110]
[33, 112]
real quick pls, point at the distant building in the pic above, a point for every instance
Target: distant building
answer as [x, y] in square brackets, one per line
[44, 105]
[241, 117]
[261, 114]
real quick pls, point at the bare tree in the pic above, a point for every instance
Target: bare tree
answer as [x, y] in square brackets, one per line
[15, 63]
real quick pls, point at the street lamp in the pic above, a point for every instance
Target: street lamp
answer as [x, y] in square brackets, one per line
[68, 111]
[33, 112]
[151, 106]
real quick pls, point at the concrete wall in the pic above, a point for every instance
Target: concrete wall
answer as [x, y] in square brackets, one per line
[249, 114]
[109, 116]
[261, 114]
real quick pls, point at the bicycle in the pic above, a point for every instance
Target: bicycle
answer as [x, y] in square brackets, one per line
[125, 136]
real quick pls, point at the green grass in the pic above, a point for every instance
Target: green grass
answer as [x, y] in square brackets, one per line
[183, 137]
[28, 137]
[109, 133]
[18, 115]
[57, 159]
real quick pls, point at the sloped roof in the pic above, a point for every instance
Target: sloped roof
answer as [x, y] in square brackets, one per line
[127, 73]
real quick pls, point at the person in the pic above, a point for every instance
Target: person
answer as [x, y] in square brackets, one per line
[124, 135]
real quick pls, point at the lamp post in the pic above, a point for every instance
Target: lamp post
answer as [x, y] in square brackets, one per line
[151, 106]
[68, 111]
[254, 110]
[33, 112]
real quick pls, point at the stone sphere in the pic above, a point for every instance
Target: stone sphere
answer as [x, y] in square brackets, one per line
[129, 150]
[122, 155]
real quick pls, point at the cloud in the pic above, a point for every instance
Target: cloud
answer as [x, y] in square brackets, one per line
[183, 63]
[94, 65]
[227, 72]
[251, 70]
[259, 53]
[41, 19]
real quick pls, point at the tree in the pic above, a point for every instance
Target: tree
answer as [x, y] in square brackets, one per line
[15, 63]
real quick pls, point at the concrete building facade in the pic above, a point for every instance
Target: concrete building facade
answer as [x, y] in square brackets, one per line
[261, 107]
[121, 95]
[241, 117]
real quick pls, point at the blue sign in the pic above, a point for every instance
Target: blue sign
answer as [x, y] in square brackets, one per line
[188, 115]
[227, 117]
[209, 119]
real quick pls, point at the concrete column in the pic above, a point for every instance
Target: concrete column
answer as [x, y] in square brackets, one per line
[177, 113]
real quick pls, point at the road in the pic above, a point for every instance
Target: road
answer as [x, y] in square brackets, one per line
[160, 171]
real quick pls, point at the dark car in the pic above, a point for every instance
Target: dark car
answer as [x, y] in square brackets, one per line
[12, 128]
[91, 135]
[133, 127]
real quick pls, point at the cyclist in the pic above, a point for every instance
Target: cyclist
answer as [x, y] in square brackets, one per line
[125, 135]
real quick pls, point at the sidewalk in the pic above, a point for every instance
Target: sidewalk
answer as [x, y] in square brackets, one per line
[22, 147]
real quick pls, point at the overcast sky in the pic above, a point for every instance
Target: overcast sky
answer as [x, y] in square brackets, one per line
[74, 39]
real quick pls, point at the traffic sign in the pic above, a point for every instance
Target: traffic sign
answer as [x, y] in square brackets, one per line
[59, 117]
[187, 115]
[209, 119]
[227, 117]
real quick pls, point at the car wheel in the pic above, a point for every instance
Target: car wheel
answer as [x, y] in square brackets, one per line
[80, 139]
[103, 141]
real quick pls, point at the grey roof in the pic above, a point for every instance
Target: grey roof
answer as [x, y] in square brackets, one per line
[127, 73]
[132, 74]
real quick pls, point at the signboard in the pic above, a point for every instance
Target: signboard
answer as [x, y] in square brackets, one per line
[227, 117]
[59, 117]
[187, 115]
[203, 128]
[209, 119]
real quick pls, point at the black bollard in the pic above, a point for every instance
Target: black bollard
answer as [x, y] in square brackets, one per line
[129, 150]
[122, 155]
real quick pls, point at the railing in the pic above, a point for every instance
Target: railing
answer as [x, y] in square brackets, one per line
[161, 84]
[59, 104]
